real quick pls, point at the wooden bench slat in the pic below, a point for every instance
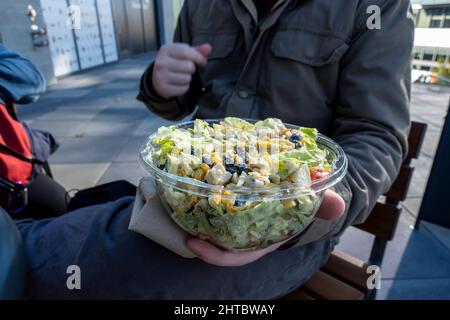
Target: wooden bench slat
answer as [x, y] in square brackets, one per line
[348, 269]
[298, 295]
[325, 286]
[415, 139]
[382, 222]
[399, 189]
[343, 276]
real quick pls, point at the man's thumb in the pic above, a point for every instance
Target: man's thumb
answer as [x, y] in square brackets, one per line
[205, 49]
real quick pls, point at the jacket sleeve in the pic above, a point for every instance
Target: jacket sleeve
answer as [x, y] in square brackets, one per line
[179, 107]
[20, 81]
[372, 116]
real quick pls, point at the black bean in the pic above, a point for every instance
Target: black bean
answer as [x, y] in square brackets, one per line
[231, 168]
[243, 168]
[161, 166]
[241, 201]
[295, 139]
[239, 169]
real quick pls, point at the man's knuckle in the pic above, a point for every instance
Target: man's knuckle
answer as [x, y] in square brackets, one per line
[183, 51]
[190, 66]
[164, 48]
[188, 78]
[164, 86]
[160, 64]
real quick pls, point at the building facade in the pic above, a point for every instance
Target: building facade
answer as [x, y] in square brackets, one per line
[432, 40]
[66, 36]
[15, 33]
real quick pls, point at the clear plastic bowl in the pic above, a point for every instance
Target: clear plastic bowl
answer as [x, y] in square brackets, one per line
[266, 223]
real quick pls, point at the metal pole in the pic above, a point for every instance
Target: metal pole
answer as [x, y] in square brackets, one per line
[102, 44]
[77, 50]
[116, 38]
[159, 17]
[143, 26]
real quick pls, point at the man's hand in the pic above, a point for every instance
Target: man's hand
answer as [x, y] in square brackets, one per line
[333, 207]
[174, 66]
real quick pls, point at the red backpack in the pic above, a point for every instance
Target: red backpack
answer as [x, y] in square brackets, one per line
[16, 162]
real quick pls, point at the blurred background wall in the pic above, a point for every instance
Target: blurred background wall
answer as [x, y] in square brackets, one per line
[15, 33]
[61, 39]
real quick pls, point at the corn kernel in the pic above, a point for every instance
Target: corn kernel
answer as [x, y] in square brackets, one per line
[233, 209]
[200, 174]
[215, 158]
[181, 172]
[288, 204]
[264, 144]
[191, 201]
[229, 202]
[286, 146]
[205, 167]
[215, 200]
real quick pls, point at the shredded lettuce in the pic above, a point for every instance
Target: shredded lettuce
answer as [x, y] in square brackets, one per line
[238, 123]
[271, 123]
[310, 137]
[265, 223]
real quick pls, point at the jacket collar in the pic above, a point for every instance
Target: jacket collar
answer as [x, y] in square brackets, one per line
[251, 8]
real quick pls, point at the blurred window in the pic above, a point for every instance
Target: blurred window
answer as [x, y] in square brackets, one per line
[435, 11]
[447, 23]
[437, 17]
[436, 23]
[441, 58]
[428, 56]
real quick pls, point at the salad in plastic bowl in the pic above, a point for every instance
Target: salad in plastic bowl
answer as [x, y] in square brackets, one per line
[242, 184]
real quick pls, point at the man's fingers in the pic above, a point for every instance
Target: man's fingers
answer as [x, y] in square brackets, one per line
[333, 206]
[185, 52]
[181, 66]
[216, 256]
[204, 49]
[178, 79]
[207, 252]
[173, 90]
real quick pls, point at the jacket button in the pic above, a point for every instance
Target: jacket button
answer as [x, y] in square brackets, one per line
[243, 94]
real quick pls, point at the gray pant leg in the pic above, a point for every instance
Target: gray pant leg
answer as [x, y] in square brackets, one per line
[118, 264]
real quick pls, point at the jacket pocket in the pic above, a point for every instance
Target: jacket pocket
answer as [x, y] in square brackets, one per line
[222, 44]
[309, 47]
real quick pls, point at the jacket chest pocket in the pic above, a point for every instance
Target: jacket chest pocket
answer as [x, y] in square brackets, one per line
[315, 49]
[224, 58]
[222, 43]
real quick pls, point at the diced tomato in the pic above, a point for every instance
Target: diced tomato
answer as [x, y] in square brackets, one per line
[318, 173]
